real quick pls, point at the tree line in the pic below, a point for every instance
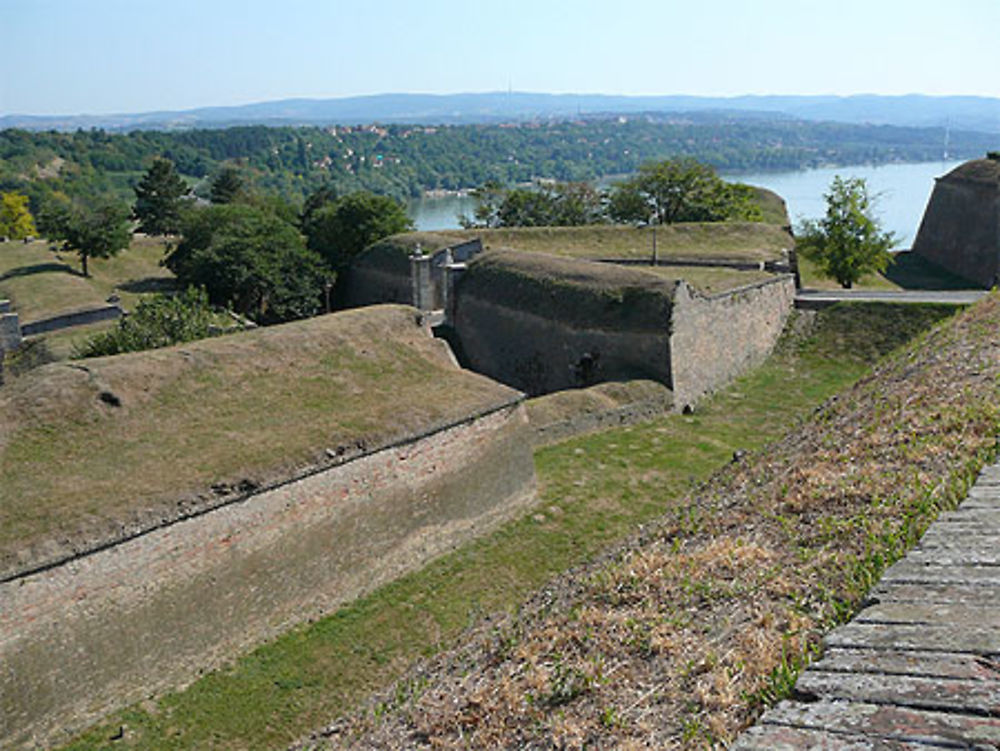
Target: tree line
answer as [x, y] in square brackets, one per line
[403, 160]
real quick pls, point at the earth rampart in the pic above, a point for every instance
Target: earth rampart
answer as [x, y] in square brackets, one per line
[149, 611]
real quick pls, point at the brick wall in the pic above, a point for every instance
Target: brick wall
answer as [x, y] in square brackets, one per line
[100, 631]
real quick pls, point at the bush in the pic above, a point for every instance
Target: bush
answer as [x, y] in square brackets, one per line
[158, 321]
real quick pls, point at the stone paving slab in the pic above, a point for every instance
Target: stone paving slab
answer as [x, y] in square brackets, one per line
[784, 738]
[872, 726]
[972, 615]
[960, 695]
[970, 536]
[943, 593]
[898, 662]
[916, 637]
[927, 573]
[919, 666]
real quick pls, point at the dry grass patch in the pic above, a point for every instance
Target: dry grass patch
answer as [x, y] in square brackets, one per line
[746, 241]
[678, 638]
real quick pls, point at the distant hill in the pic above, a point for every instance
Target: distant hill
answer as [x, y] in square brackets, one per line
[958, 112]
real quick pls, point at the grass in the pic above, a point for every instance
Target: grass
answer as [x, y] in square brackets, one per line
[256, 406]
[747, 241]
[909, 271]
[710, 280]
[594, 491]
[42, 283]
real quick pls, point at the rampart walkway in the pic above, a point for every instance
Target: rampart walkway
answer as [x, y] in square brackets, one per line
[813, 299]
[919, 668]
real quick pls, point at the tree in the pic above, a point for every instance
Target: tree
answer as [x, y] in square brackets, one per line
[678, 190]
[340, 229]
[848, 242]
[16, 221]
[227, 186]
[96, 230]
[158, 199]
[550, 205]
[251, 261]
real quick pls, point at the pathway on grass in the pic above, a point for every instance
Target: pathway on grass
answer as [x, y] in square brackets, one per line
[813, 299]
[919, 668]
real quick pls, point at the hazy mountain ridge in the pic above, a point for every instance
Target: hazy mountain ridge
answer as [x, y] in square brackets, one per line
[957, 112]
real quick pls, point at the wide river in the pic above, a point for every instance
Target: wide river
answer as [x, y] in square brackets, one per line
[902, 189]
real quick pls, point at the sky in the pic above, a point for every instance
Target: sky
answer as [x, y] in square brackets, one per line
[63, 57]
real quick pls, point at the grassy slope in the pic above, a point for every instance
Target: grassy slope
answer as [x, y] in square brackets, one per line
[41, 282]
[594, 491]
[681, 636]
[751, 241]
[720, 240]
[245, 407]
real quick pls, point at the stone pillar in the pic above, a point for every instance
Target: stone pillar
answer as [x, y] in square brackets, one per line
[10, 331]
[420, 277]
[452, 273]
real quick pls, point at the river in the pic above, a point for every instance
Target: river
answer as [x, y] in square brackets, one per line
[902, 189]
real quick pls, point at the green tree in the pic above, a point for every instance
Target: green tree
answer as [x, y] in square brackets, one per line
[549, 205]
[679, 190]
[16, 221]
[98, 229]
[251, 261]
[157, 321]
[228, 186]
[159, 199]
[848, 242]
[340, 229]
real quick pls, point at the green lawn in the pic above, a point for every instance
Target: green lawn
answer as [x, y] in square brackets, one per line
[908, 271]
[594, 490]
[42, 282]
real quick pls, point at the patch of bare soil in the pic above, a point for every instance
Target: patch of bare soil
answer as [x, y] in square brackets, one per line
[679, 638]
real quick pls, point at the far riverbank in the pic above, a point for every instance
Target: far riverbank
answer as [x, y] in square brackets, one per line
[903, 191]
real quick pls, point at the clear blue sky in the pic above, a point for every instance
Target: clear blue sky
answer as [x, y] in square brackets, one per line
[104, 56]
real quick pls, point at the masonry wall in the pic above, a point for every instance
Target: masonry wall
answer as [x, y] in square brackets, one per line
[715, 339]
[960, 230]
[538, 355]
[68, 320]
[109, 628]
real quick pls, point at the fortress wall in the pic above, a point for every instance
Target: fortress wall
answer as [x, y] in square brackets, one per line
[369, 284]
[715, 339]
[960, 230]
[538, 354]
[68, 320]
[106, 629]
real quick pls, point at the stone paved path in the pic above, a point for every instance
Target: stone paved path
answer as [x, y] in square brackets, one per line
[813, 299]
[920, 667]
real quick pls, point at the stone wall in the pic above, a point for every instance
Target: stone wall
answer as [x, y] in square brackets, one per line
[539, 355]
[714, 339]
[10, 331]
[960, 230]
[97, 632]
[68, 320]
